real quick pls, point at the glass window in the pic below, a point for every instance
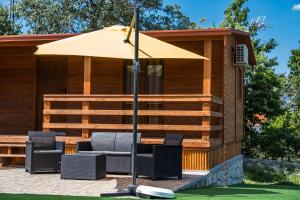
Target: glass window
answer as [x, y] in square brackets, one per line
[129, 79]
[154, 79]
[150, 82]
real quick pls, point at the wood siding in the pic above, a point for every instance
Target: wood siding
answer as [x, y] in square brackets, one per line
[230, 94]
[17, 90]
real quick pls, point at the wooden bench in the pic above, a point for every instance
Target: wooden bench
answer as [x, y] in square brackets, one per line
[11, 153]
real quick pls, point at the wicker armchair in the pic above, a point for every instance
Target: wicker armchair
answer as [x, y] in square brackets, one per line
[159, 161]
[43, 152]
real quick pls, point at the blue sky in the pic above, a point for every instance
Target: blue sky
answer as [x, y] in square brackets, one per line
[279, 14]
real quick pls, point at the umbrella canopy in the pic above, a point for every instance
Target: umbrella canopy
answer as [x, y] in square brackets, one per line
[109, 43]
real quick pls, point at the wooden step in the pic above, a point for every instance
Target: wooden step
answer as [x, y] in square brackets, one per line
[12, 145]
[12, 155]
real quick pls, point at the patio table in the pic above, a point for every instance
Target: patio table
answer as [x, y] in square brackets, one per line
[83, 166]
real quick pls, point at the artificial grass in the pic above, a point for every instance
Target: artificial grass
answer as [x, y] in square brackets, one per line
[242, 191]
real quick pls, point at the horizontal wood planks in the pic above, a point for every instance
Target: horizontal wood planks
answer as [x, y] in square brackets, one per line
[12, 156]
[129, 98]
[156, 126]
[17, 78]
[19, 141]
[129, 127]
[130, 112]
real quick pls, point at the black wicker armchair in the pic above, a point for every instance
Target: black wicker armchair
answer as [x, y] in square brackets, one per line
[160, 161]
[43, 152]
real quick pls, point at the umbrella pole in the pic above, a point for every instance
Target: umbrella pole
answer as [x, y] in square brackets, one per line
[132, 187]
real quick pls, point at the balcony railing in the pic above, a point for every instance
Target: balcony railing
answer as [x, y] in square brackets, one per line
[205, 125]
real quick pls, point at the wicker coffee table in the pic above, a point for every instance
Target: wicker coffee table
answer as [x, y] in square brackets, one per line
[83, 166]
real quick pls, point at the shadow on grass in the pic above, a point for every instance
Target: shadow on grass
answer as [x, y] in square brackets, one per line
[237, 190]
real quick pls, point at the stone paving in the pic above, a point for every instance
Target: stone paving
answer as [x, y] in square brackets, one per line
[17, 181]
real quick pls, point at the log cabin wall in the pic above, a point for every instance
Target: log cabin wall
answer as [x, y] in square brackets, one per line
[184, 77]
[107, 78]
[17, 79]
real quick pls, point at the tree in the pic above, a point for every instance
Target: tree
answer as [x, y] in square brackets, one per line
[60, 16]
[170, 18]
[48, 16]
[263, 87]
[281, 137]
[7, 24]
[236, 16]
[293, 83]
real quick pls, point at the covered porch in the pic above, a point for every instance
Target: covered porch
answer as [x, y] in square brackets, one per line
[81, 95]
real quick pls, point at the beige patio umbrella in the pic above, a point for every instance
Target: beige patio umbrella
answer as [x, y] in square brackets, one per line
[109, 43]
[117, 42]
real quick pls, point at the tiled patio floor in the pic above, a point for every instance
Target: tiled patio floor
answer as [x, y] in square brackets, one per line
[16, 180]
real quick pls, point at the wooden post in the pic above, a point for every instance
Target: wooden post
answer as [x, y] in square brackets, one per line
[87, 75]
[86, 91]
[46, 117]
[207, 89]
[207, 71]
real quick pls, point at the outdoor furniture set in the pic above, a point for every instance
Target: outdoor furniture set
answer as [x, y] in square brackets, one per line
[106, 152]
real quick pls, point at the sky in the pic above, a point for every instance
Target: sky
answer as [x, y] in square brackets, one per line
[282, 15]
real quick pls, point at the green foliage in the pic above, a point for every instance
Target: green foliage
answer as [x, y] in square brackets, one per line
[236, 15]
[263, 87]
[48, 16]
[293, 83]
[7, 24]
[281, 138]
[265, 175]
[169, 17]
[60, 16]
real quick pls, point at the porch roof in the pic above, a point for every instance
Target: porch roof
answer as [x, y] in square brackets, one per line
[166, 35]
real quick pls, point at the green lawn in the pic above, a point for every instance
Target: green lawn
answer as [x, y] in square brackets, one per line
[243, 191]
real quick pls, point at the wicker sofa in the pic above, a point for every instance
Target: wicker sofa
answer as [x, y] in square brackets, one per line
[115, 145]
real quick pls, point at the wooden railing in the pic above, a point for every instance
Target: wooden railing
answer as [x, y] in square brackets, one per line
[85, 111]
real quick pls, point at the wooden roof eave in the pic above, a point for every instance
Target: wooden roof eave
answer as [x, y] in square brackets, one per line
[31, 40]
[168, 35]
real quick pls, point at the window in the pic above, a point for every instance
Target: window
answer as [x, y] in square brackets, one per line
[154, 79]
[154, 86]
[150, 82]
[129, 79]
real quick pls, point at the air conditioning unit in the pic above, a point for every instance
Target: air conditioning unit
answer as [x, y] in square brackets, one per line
[241, 54]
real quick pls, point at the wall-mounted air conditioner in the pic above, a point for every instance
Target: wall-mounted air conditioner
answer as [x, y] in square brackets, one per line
[241, 54]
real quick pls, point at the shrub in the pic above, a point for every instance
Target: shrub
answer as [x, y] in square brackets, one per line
[269, 175]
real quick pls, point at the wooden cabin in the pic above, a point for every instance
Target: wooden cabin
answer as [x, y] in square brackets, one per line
[201, 99]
